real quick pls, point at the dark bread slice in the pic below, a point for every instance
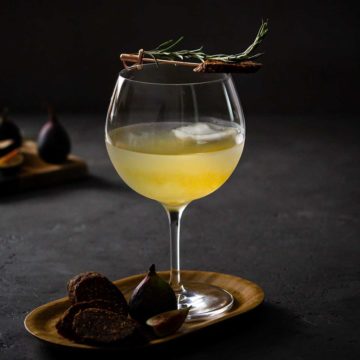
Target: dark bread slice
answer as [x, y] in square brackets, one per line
[91, 286]
[102, 326]
[64, 324]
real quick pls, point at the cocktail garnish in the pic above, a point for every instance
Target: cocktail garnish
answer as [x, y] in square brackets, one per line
[165, 54]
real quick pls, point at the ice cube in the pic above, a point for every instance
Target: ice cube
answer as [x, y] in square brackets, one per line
[203, 132]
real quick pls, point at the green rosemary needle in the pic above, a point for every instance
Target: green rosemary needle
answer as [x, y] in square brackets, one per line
[166, 50]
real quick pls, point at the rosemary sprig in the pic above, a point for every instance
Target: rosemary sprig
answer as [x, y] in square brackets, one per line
[165, 51]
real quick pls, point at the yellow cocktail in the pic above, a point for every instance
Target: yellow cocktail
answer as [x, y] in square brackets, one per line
[175, 163]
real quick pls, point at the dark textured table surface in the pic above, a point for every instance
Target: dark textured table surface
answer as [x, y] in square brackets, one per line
[288, 219]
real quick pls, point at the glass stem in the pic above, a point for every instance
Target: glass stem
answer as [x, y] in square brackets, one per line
[174, 215]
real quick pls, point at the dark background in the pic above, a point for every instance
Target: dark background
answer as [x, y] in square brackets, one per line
[288, 218]
[67, 52]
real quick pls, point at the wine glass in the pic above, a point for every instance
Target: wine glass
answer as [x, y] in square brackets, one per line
[175, 136]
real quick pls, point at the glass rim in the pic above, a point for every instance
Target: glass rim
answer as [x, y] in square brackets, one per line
[221, 77]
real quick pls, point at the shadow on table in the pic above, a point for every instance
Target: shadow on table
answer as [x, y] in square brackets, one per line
[87, 183]
[97, 182]
[266, 326]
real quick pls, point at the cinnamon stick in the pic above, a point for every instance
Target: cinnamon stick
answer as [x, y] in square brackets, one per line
[212, 66]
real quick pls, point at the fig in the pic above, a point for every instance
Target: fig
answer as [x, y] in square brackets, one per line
[169, 322]
[151, 297]
[11, 163]
[53, 141]
[10, 136]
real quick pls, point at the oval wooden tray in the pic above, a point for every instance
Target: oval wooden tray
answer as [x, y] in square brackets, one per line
[41, 321]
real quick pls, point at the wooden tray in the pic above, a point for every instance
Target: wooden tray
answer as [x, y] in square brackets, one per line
[41, 321]
[35, 173]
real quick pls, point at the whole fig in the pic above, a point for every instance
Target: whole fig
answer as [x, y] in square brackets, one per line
[53, 141]
[151, 297]
[10, 136]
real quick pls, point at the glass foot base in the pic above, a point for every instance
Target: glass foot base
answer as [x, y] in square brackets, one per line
[205, 300]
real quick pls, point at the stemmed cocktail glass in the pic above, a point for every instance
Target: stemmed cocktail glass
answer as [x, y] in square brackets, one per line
[175, 136]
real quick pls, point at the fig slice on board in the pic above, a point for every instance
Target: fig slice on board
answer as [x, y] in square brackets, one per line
[169, 322]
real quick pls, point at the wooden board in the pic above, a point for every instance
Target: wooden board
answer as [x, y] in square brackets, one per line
[247, 295]
[35, 173]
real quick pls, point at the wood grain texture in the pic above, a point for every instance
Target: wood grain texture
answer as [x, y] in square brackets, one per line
[41, 321]
[35, 173]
